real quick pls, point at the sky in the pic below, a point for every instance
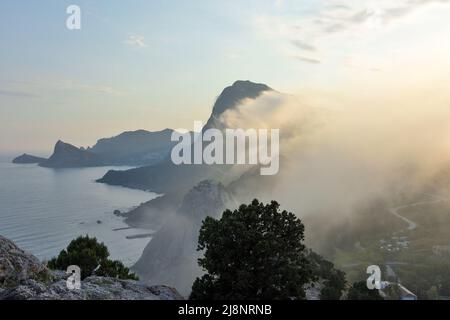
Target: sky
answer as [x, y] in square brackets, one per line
[158, 64]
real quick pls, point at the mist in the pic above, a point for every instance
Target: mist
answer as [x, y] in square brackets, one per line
[346, 156]
[342, 149]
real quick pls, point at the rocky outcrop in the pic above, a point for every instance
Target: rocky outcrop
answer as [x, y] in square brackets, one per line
[24, 277]
[68, 156]
[92, 288]
[28, 159]
[16, 265]
[208, 198]
[171, 256]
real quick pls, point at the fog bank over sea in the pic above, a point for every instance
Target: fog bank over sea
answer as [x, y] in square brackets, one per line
[42, 209]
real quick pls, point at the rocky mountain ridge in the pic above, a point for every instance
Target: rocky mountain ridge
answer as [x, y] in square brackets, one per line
[166, 177]
[66, 155]
[130, 148]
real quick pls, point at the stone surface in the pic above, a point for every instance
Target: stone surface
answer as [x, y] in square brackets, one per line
[92, 288]
[24, 277]
[16, 265]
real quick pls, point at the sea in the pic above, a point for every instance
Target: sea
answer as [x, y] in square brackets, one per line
[43, 209]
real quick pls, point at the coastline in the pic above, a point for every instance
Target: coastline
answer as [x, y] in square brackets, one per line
[44, 209]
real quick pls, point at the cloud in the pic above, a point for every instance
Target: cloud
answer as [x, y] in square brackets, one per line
[303, 45]
[332, 28]
[361, 16]
[136, 41]
[397, 12]
[17, 94]
[338, 7]
[385, 10]
[308, 60]
[334, 18]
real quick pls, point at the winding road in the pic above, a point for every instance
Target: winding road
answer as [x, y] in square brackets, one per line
[411, 224]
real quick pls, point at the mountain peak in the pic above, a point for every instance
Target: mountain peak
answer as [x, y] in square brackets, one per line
[249, 84]
[61, 143]
[232, 95]
[66, 155]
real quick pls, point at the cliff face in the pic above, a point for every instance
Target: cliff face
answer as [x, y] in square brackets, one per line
[171, 256]
[231, 97]
[68, 156]
[23, 277]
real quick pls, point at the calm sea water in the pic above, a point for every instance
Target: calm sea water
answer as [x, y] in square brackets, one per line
[42, 210]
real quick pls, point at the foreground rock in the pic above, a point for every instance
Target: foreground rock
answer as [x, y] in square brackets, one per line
[92, 288]
[16, 265]
[24, 277]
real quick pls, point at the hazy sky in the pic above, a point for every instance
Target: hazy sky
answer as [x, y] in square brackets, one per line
[155, 64]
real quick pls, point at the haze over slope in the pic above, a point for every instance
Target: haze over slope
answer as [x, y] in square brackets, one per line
[369, 140]
[339, 152]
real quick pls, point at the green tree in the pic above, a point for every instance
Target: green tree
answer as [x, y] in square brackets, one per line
[333, 279]
[359, 291]
[115, 269]
[255, 252]
[88, 254]
[333, 286]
